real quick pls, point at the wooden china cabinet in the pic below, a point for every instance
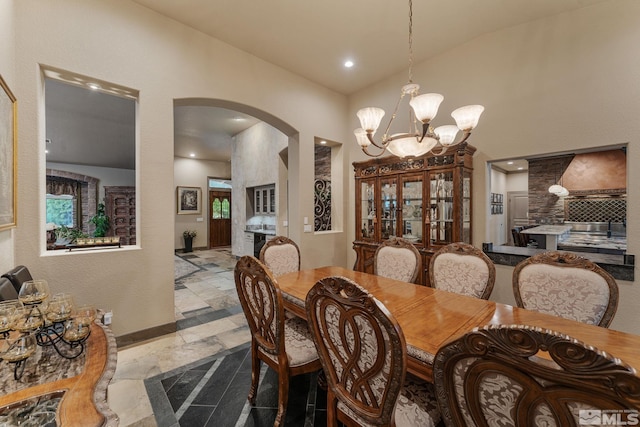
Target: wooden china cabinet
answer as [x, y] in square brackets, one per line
[426, 200]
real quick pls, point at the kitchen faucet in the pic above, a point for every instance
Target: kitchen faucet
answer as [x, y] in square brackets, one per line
[609, 229]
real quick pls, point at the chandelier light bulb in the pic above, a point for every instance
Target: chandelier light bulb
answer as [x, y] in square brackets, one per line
[426, 106]
[467, 117]
[370, 118]
[361, 137]
[447, 134]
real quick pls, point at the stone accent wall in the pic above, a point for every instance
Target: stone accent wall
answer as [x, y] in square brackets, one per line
[545, 207]
[88, 196]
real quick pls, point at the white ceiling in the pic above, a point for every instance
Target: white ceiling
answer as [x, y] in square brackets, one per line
[313, 39]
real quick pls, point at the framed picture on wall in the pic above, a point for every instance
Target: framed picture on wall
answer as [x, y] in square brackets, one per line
[8, 161]
[189, 200]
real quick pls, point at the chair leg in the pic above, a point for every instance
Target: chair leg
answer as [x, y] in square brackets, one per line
[332, 409]
[283, 397]
[255, 373]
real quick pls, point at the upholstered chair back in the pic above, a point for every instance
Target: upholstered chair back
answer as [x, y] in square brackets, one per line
[566, 285]
[526, 376]
[397, 258]
[463, 269]
[18, 275]
[281, 255]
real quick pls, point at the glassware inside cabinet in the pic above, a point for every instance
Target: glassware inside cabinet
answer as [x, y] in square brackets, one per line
[388, 205]
[368, 209]
[412, 210]
[441, 207]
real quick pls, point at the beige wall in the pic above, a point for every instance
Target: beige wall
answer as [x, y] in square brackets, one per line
[124, 43]
[562, 83]
[7, 60]
[194, 173]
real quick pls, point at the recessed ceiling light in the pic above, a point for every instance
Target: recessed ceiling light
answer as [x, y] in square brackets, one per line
[520, 168]
[348, 63]
[192, 154]
[94, 86]
[323, 142]
[509, 162]
[238, 119]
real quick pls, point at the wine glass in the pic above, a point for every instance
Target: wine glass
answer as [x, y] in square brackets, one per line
[18, 349]
[33, 291]
[28, 318]
[60, 307]
[75, 330]
[85, 314]
[8, 314]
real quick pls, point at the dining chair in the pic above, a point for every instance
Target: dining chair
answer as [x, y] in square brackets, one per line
[363, 354]
[397, 258]
[18, 275]
[463, 269]
[526, 376]
[284, 344]
[281, 255]
[566, 285]
[7, 291]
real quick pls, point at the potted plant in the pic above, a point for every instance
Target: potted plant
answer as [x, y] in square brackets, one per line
[188, 236]
[101, 221]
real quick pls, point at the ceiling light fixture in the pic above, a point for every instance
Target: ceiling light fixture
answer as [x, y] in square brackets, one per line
[192, 155]
[348, 64]
[421, 137]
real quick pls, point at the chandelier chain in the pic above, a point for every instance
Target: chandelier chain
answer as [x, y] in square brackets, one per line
[410, 41]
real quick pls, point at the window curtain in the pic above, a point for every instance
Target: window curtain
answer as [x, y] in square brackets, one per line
[61, 186]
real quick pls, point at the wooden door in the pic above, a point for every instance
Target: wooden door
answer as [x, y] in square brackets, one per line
[120, 205]
[517, 211]
[219, 218]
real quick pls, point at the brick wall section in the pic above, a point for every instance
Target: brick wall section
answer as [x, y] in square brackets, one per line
[545, 207]
[88, 195]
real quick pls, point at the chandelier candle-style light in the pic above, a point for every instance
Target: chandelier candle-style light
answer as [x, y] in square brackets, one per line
[421, 137]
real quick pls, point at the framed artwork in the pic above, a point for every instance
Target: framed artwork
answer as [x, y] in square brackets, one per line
[8, 157]
[189, 200]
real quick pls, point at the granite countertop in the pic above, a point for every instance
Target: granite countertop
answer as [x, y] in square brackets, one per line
[548, 229]
[260, 231]
[594, 241]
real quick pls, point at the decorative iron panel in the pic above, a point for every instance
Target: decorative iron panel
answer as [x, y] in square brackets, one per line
[322, 205]
[596, 209]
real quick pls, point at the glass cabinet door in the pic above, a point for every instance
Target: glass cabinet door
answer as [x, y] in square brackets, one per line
[466, 206]
[441, 208]
[388, 208]
[368, 209]
[412, 223]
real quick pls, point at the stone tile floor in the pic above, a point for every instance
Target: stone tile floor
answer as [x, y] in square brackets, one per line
[199, 375]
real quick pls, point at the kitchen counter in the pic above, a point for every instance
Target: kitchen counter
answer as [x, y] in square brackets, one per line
[621, 267]
[553, 234]
[267, 232]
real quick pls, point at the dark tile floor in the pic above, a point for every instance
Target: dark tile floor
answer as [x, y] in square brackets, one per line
[212, 392]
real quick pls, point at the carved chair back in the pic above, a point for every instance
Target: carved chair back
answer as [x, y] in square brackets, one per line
[361, 348]
[526, 376]
[397, 258]
[463, 269]
[566, 285]
[261, 302]
[281, 255]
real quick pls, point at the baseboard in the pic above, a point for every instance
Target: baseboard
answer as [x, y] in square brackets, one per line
[146, 334]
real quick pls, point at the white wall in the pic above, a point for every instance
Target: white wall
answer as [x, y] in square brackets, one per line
[124, 43]
[194, 173]
[255, 161]
[561, 83]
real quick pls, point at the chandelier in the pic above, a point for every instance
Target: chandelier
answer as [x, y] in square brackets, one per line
[421, 137]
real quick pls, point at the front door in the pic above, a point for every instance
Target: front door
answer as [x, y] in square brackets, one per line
[220, 218]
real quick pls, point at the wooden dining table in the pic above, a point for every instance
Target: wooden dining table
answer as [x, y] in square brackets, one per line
[430, 318]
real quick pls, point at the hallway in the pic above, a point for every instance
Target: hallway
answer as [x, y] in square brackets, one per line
[199, 375]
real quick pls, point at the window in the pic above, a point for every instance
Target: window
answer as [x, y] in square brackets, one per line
[61, 210]
[220, 209]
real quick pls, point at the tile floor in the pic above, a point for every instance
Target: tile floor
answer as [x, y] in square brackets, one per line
[199, 375]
